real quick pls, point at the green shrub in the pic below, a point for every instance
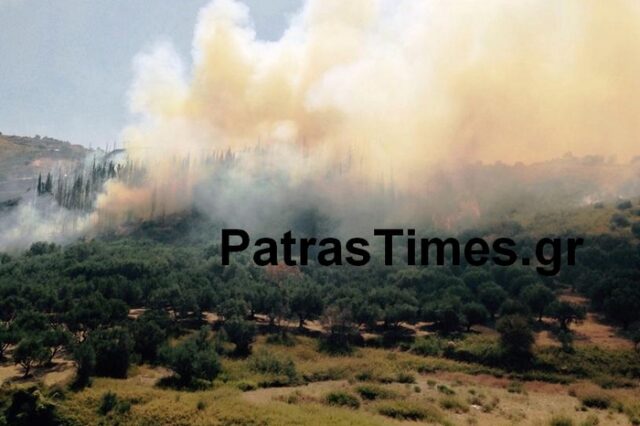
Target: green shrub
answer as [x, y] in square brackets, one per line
[373, 392]
[123, 407]
[515, 387]
[428, 346]
[342, 399]
[108, 402]
[281, 338]
[624, 205]
[445, 390]
[247, 386]
[275, 382]
[112, 348]
[633, 413]
[332, 373]
[27, 406]
[598, 401]
[452, 403]
[402, 410]
[619, 221]
[405, 378]
[266, 362]
[194, 362]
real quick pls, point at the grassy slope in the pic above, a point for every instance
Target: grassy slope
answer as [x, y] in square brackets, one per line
[448, 393]
[22, 158]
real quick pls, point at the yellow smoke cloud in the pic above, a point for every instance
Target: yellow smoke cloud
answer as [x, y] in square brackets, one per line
[395, 86]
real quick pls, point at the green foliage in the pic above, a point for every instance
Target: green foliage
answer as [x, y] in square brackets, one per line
[619, 220]
[374, 392]
[537, 297]
[306, 302]
[266, 362]
[516, 338]
[492, 296]
[401, 410]
[194, 361]
[108, 402]
[474, 314]
[112, 349]
[599, 401]
[624, 205]
[445, 390]
[404, 377]
[454, 404]
[27, 407]
[241, 333]
[428, 346]
[30, 352]
[149, 333]
[342, 399]
[85, 358]
[566, 313]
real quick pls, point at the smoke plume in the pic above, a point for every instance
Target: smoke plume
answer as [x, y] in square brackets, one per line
[385, 110]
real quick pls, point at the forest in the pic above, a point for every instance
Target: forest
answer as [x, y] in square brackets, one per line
[110, 304]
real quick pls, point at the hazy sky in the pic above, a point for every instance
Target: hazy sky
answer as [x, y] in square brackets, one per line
[66, 65]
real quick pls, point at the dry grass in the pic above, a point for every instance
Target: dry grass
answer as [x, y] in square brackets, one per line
[474, 399]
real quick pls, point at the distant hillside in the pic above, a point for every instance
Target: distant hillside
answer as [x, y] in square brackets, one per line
[23, 158]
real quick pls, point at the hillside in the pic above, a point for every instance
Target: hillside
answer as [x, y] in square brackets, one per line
[22, 158]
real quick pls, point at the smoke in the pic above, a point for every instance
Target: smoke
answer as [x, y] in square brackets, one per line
[372, 111]
[41, 220]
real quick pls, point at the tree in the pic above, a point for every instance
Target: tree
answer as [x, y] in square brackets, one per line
[445, 313]
[7, 337]
[241, 333]
[492, 296]
[233, 308]
[338, 319]
[30, 323]
[48, 186]
[93, 312]
[537, 297]
[516, 337]
[474, 277]
[566, 313]
[623, 305]
[474, 313]
[54, 340]
[29, 407]
[112, 347]
[399, 312]
[619, 220]
[148, 336]
[28, 353]
[514, 307]
[306, 303]
[366, 313]
[192, 360]
[275, 304]
[85, 359]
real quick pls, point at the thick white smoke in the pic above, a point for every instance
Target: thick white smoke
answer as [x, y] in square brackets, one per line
[374, 110]
[374, 95]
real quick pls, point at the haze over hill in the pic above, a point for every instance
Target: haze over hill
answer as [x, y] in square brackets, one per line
[452, 199]
[22, 158]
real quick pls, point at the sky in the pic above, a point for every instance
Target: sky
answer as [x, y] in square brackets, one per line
[66, 65]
